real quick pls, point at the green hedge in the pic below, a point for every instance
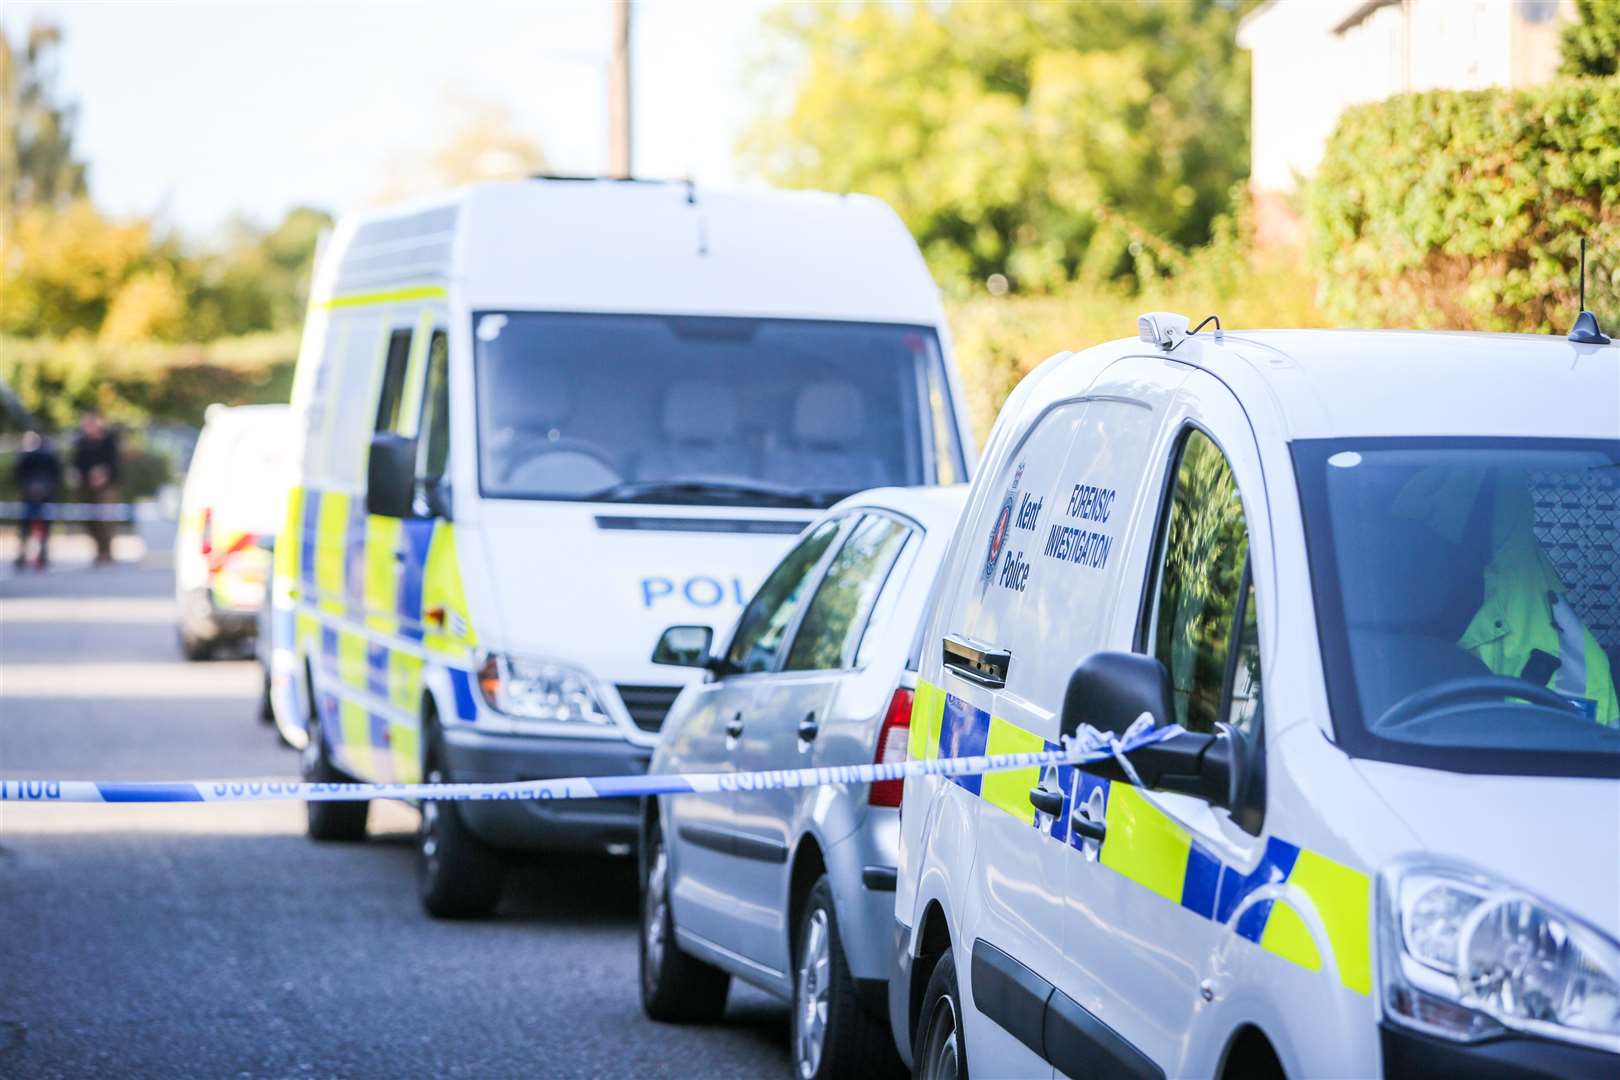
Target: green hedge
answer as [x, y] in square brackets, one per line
[1464, 210]
[57, 381]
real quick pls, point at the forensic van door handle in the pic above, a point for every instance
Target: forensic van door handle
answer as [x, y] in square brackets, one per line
[1049, 803]
[734, 726]
[977, 661]
[1091, 830]
[808, 727]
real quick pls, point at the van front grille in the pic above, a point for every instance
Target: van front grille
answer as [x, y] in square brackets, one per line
[648, 705]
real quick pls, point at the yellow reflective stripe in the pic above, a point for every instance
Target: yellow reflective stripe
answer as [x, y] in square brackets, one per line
[330, 542]
[420, 292]
[404, 680]
[307, 628]
[351, 659]
[1143, 844]
[410, 405]
[441, 588]
[404, 744]
[292, 532]
[1343, 898]
[1009, 789]
[927, 703]
[382, 573]
[355, 727]
[1287, 935]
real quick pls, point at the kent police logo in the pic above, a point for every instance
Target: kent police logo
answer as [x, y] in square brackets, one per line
[999, 531]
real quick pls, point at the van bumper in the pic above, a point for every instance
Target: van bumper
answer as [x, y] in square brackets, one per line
[1409, 1053]
[556, 825]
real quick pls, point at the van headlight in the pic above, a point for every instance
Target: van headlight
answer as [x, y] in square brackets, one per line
[531, 688]
[1465, 957]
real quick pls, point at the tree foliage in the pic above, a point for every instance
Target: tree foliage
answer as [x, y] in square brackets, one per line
[37, 163]
[1591, 43]
[1006, 133]
[1463, 210]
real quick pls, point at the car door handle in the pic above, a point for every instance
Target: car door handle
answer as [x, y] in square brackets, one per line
[1049, 803]
[734, 727]
[977, 661]
[808, 727]
[1091, 830]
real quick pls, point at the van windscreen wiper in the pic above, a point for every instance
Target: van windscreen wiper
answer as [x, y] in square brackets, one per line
[700, 490]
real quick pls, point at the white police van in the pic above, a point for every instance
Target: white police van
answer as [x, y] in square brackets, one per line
[1403, 854]
[541, 421]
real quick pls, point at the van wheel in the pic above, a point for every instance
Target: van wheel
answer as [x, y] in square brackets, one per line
[941, 1049]
[457, 875]
[196, 648]
[341, 822]
[833, 1033]
[675, 988]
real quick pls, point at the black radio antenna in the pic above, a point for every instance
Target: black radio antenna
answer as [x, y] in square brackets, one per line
[1586, 330]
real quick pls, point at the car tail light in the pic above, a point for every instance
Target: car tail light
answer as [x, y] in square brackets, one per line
[208, 530]
[891, 747]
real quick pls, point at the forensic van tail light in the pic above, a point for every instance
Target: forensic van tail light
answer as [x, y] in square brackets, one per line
[208, 530]
[892, 739]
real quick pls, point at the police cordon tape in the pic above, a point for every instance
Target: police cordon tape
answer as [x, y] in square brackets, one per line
[1091, 746]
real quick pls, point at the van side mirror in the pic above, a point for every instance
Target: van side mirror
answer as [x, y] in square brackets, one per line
[1109, 690]
[391, 475]
[684, 646]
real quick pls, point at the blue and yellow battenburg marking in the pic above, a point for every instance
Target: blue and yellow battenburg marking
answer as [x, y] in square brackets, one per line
[361, 585]
[1148, 847]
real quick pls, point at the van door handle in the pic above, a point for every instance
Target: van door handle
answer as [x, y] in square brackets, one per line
[808, 727]
[977, 661]
[1091, 830]
[734, 727]
[1049, 803]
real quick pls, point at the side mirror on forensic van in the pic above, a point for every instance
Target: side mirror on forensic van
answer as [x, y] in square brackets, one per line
[684, 646]
[391, 475]
[1109, 690]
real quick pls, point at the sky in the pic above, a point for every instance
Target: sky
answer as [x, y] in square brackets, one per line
[197, 111]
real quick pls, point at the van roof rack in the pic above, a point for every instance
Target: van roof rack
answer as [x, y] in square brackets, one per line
[586, 178]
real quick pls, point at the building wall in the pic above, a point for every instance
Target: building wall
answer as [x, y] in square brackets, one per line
[1312, 59]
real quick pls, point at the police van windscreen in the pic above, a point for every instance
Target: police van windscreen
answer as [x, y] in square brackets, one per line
[1468, 598]
[700, 410]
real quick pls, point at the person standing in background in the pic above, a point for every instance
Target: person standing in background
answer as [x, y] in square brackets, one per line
[95, 458]
[39, 482]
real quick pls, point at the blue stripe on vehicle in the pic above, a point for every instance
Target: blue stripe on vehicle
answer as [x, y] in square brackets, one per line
[963, 732]
[329, 647]
[307, 528]
[417, 534]
[354, 559]
[461, 684]
[377, 668]
[149, 793]
[1202, 881]
[1272, 869]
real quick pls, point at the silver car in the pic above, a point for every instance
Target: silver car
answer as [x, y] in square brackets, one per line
[793, 889]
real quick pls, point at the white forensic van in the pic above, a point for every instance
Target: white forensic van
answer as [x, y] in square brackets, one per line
[1374, 581]
[231, 505]
[540, 422]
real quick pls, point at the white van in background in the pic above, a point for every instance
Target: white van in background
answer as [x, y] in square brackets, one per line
[540, 422]
[234, 497]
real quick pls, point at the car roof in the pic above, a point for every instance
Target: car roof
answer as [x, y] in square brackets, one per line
[1372, 383]
[936, 509]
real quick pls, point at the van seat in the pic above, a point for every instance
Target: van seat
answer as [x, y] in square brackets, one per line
[700, 434]
[828, 420]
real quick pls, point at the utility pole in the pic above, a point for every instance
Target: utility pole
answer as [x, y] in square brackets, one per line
[619, 92]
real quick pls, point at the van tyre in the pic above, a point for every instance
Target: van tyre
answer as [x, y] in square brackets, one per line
[458, 876]
[675, 987]
[196, 649]
[834, 1034]
[940, 1052]
[337, 822]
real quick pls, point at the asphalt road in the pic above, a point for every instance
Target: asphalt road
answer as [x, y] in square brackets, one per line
[218, 941]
